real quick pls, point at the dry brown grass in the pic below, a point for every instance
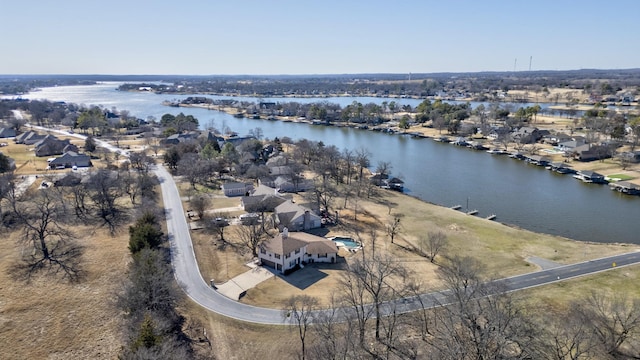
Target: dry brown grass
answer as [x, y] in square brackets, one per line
[51, 319]
[232, 339]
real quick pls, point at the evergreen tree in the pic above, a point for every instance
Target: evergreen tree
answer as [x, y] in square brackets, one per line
[145, 233]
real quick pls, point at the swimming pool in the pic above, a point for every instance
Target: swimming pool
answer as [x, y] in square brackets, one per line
[347, 242]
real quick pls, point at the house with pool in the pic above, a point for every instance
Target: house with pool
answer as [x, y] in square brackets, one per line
[288, 251]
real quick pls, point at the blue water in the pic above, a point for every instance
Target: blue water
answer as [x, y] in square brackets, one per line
[348, 242]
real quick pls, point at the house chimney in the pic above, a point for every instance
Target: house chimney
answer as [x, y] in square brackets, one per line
[285, 233]
[307, 220]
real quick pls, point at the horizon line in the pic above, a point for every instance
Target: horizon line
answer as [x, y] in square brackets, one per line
[324, 74]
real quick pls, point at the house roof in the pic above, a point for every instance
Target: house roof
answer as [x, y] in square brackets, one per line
[283, 244]
[234, 185]
[7, 132]
[590, 173]
[296, 240]
[288, 211]
[263, 190]
[71, 157]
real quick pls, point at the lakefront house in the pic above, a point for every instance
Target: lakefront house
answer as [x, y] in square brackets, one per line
[288, 251]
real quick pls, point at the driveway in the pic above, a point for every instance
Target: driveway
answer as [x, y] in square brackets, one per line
[234, 288]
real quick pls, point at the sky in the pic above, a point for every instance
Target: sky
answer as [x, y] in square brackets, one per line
[237, 37]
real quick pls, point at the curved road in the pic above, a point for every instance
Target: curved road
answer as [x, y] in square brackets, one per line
[188, 275]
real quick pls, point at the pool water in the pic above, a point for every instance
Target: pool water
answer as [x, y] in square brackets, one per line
[346, 242]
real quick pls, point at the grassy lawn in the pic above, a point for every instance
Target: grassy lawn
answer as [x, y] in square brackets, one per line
[621, 177]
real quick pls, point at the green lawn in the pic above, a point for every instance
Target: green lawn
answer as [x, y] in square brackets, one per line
[620, 177]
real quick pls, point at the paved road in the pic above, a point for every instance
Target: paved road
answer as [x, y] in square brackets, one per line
[188, 275]
[186, 267]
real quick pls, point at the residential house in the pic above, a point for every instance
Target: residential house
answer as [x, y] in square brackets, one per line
[29, 138]
[280, 170]
[630, 156]
[589, 152]
[286, 184]
[178, 138]
[237, 140]
[236, 188]
[288, 250]
[296, 217]
[527, 135]
[555, 139]
[70, 159]
[263, 198]
[498, 133]
[7, 133]
[569, 145]
[51, 145]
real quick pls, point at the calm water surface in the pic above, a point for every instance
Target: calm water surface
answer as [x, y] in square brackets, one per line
[519, 194]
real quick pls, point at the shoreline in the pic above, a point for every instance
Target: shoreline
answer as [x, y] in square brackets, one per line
[418, 131]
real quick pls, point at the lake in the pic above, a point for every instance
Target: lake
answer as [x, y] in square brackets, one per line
[518, 193]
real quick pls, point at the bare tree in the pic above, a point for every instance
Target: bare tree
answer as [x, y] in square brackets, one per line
[251, 236]
[393, 227]
[568, 336]
[333, 338]
[199, 204]
[299, 310]
[615, 319]
[483, 321]
[383, 169]
[363, 162]
[105, 188]
[53, 246]
[433, 244]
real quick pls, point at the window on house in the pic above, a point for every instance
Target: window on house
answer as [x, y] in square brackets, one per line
[298, 251]
[263, 251]
[277, 256]
[287, 256]
[322, 255]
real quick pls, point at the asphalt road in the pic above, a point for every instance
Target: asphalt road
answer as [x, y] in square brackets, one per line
[188, 274]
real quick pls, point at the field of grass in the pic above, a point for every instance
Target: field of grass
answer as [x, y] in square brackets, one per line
[49, 319]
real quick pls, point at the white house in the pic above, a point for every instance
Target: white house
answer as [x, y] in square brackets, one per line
[287, 250]
[236, 188]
